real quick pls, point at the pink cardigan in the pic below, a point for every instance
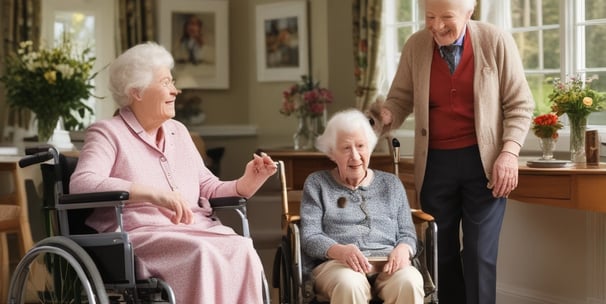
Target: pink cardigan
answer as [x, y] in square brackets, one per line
[118, 152]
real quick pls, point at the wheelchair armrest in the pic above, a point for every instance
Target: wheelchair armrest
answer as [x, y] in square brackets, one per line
[93, 199]
[229, 202]
[419, 216]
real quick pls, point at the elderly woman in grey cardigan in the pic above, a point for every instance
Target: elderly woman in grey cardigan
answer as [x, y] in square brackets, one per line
[350, 215]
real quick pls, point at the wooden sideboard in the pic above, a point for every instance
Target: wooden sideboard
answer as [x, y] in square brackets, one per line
[578, 187]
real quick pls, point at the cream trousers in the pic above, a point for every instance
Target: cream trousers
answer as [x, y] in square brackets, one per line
[339, 283]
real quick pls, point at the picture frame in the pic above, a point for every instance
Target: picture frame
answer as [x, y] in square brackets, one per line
[201, 59]
[282, 41]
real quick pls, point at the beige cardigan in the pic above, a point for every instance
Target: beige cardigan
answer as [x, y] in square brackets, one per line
[502, 99]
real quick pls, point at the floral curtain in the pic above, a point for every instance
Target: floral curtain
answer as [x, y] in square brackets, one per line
[20, 20]
[136, 23]
[366, 39]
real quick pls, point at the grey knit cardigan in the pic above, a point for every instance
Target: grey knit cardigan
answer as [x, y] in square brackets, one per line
[376, 218]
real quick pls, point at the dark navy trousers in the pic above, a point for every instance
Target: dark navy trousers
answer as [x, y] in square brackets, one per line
[455, 192]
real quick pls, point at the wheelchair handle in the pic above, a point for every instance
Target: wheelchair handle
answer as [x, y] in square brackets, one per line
[37, 149]
[39, 154]
[37, 158]
[396, 155]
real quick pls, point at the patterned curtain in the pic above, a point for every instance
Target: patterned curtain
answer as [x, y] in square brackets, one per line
[366, 39]
[20, 20]
[136, 23]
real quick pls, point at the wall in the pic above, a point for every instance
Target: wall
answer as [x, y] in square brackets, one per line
[254, 103]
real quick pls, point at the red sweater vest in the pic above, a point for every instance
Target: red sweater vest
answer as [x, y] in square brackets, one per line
[451, 111]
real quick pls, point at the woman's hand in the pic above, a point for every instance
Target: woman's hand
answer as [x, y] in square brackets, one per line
[173, 201]
[351, 256]
[399, 258]
[170, 200]
[504, 175]
[255, 174]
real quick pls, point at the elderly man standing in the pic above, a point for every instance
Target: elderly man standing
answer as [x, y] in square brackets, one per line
[465, 83]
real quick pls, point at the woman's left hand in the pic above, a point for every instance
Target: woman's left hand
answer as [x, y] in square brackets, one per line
[261, 166]
[504, 175]
[399, 258]
[255, 174]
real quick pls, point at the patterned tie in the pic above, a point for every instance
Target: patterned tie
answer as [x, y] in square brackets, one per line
[448, 53]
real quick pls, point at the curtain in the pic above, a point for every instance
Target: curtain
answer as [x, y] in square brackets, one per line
[366, 39]
[20, 20]
[136, 23]
[496, 12]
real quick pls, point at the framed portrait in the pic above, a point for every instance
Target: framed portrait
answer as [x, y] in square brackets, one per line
[196, 33]
[282, 41]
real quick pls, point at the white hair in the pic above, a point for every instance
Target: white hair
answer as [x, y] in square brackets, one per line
[346, 121]
[134, 69]
[467, 5]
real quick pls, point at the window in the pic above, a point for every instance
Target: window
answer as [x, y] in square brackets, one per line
[88, 22]
[555, 38]
[558, 38]
[401, 18]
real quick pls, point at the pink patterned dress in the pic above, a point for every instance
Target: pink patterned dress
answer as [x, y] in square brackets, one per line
[204, 262]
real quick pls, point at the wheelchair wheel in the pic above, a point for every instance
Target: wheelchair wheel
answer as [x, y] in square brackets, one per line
[56, 270]
[282, 278]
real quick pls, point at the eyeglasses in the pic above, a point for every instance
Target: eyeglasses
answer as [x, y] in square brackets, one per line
[167, 83]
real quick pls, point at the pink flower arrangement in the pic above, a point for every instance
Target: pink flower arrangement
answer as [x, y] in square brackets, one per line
[305, 99]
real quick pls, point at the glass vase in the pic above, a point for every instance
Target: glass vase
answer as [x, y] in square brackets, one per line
[46, 126]
[320, 123]
[578, 125]
[547, 147]
[305, 136]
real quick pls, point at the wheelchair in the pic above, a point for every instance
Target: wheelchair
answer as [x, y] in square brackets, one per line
[289, 275]
[75, 264]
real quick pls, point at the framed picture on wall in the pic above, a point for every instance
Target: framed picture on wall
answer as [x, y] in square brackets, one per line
[196, 33]
[282, 43]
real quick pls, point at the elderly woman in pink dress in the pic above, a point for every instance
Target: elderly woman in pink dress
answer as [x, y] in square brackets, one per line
[144, 151]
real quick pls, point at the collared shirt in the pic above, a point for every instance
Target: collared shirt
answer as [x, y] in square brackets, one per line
[458, 51]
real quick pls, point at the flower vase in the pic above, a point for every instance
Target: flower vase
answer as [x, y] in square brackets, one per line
[60, 138]
[578, 125]
[46, 127]
[547, 147]
[305, 136]
[320, 123]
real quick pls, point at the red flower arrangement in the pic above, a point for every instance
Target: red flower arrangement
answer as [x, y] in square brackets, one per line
[305, 99]
[546, 125]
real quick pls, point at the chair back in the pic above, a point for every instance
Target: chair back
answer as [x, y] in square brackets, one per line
[55, 180]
